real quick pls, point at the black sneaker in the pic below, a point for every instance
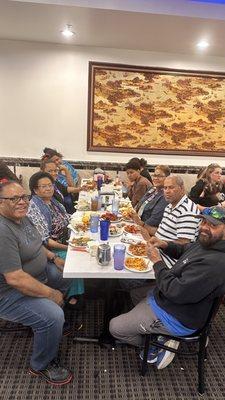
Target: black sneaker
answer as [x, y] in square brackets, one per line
[54, 374]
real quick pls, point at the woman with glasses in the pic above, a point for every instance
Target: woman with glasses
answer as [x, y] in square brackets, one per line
[209, 189]
[51, 220]
[149, 210]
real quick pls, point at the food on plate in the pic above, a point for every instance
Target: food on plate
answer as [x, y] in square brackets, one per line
[80, 241]
[126, 212]
[110, 216]
[136, 263]
[83, 205]
[132, 229]
[138, 249]
[79, 226]
[115, 230]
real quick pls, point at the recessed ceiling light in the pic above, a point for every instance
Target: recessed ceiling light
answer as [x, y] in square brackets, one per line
[203, 44]
[67, 31]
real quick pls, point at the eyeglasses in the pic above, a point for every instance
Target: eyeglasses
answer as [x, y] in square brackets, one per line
[158, 176]
[49, 186]
[215, 212]
[16, 199]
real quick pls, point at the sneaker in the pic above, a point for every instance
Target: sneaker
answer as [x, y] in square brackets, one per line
[165, 357]
[153, 352]
[54, 374]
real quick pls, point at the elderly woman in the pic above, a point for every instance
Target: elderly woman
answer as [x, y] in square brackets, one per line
[60, 190]
[51, 220]
[149, 210]
[209, 189]
[138, 184]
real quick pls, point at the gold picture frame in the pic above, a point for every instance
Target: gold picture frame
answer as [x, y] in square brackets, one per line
[155, 110]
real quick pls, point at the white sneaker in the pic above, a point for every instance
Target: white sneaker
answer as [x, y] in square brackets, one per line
[166, 357]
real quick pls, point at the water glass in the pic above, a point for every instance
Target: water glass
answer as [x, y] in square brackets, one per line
[94, 223]
[104, 229]
[119, 256]
[115, 205]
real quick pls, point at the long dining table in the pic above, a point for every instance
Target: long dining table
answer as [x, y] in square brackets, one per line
[80, 264]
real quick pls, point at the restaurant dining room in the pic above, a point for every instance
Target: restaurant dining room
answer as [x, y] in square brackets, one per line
[112, 199]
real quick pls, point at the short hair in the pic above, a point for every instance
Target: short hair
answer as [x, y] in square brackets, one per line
[45, 162]
[34, 179]
[179, 181]
[6, 183]
[164, 168]
[133, 163]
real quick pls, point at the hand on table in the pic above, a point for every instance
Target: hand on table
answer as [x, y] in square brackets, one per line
[156, 242]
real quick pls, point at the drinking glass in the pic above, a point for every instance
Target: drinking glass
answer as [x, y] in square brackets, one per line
[104, 229]
[119, 256]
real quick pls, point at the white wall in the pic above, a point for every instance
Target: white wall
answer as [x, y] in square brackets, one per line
[43, 98]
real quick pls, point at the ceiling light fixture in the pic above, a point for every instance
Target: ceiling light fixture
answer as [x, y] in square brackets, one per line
[203, 44]
[67, 31]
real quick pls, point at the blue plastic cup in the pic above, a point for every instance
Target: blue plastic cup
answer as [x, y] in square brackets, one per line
[94, 223]
[119, 256]
[104, 229]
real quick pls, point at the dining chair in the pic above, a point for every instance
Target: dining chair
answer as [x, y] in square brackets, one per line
[199, 337]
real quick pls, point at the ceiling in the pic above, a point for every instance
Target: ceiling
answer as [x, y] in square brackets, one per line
[153, 25]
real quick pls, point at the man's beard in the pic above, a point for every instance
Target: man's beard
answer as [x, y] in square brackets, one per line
[209, 240]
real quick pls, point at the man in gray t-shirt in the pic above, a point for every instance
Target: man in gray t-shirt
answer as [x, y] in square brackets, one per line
[32, 289]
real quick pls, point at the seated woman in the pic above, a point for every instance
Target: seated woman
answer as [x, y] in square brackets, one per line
[67, 175]
[149, 210]
[139, 185]
[51, 220]
[60, 191]
[144, 170]
[209, 189]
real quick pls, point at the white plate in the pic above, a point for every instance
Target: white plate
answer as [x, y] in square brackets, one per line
[79, 231]
[117, 234]
[149, 268]
[133, 255]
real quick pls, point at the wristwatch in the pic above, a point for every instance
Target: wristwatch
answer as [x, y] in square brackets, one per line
[52, 259]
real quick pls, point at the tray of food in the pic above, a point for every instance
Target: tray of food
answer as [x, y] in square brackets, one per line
[134, 229]
[138, 249]
[137, 264]
[113, 218]
[83, 205]
[78, 227]
[115, 230]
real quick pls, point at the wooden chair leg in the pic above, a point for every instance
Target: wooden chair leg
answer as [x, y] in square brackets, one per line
[145, 355]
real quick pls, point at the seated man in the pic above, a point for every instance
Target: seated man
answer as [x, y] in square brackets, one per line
[178, 223]
[32, 289]
[183, 295]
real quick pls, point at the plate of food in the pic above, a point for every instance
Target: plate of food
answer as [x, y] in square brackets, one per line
[134, 229]
[78, 227]
[113, 218]
[80, 241]
[137, 249]
[137, 264]
[115, 230]
[83, 205]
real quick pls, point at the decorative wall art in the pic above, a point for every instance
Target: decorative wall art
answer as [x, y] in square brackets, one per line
[152, 110]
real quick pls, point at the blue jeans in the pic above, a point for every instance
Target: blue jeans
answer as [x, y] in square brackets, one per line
[44, 316]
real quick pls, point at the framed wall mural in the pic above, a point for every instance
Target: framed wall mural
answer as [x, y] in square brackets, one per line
[151, 110]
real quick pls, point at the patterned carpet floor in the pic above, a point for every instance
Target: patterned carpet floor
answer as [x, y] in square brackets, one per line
[106, 374]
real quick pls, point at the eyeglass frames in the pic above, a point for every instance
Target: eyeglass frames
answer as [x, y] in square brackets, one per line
[16, 199]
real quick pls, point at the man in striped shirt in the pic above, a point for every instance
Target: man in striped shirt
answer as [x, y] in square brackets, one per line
[178, 223]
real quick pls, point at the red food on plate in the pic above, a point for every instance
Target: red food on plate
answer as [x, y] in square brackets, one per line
[110, 216]
[132, 229]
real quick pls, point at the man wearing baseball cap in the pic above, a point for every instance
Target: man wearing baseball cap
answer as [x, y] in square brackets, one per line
[183, 296]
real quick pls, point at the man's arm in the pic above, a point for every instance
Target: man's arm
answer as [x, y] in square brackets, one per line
[30, 286]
